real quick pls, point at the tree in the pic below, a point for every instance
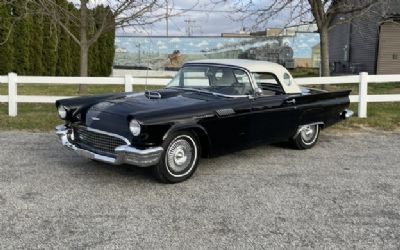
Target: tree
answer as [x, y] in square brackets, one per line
[121, 14]
[64, 60]
[102, 53]
[22, 29]
[33, 43]
[6, 39]
[36, 46]
[50, 48]
[323, 12]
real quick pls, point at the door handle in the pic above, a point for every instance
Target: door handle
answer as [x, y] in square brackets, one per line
[291, 101]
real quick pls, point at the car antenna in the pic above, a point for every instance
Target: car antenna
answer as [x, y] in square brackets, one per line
[148, 60]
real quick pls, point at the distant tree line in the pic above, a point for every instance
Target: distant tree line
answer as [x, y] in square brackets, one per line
[33, 44]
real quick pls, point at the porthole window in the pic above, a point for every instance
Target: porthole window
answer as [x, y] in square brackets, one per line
[287, 80]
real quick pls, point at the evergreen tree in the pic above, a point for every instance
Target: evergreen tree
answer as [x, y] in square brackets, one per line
[64, 62]
[94, 60]
[50, 47]
[6, 39]
[36, 47]
[109, 51]
[94, 55]
[74, 47]
[21, 38]
[105, 47]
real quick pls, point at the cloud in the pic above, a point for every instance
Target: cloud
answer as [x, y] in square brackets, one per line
[303, 45]
[202, 44]
[175, 40]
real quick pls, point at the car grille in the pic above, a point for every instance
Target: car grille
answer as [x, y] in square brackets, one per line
[97, 141]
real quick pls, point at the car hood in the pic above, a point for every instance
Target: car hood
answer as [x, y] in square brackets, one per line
[148, 105]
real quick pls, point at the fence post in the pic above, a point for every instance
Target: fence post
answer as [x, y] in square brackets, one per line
[12, 94]
[128, 83]
[363, 95]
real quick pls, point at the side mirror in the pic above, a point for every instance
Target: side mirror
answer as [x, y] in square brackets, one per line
[258, 92]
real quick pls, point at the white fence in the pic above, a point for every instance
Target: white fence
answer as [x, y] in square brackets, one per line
[128, 81]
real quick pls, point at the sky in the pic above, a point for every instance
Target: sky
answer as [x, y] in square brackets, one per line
[206, 19]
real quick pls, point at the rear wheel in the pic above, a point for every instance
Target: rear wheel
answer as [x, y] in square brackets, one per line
[179, 159]
[306, 137]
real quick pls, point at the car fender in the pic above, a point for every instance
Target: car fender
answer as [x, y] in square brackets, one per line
[312, 116]
[198, 129]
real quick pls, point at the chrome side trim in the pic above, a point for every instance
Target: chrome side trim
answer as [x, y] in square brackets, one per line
[125, 154]
[202, 116]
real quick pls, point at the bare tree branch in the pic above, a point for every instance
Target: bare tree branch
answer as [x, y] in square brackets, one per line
[324, 13]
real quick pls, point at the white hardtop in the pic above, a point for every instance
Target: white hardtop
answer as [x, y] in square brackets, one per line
[255, 66]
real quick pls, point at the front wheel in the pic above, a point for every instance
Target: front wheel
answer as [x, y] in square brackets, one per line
[306, 137]
[179, 159]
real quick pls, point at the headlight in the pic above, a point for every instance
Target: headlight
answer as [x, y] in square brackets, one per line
[134, 127]
[62, 112]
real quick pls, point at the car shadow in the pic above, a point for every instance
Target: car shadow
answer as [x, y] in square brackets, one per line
[139, 173]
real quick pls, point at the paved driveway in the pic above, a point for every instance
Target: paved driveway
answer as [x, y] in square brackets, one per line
[344, 193]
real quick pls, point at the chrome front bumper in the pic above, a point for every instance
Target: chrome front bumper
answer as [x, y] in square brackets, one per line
[125, 154]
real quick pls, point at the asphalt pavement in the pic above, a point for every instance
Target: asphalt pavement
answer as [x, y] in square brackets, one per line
[342, 194]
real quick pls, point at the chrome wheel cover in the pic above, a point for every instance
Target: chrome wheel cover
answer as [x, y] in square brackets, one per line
[309, 133]
[179, 155]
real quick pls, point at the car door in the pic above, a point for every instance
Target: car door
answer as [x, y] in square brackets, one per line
[230, 128]
[274, 118]
[274, 113]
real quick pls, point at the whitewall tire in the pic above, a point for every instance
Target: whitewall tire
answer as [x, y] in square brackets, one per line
[179, 159]
[306, 137]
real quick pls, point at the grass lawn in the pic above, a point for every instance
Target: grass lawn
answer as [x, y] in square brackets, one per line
[384, 116]
[43, 117]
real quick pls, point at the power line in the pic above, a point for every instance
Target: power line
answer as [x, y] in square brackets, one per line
[221, 11]
[189, 26]
[206, 10]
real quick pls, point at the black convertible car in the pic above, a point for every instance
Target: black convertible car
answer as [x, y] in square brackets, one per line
[209, 107]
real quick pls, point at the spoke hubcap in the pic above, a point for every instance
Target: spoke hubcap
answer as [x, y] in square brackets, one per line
[179, 155]
[308, 132]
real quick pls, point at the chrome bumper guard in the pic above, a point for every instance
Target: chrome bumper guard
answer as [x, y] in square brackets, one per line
[125, 154]
[347, 113]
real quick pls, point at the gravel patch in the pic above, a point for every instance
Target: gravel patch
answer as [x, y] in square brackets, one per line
[344, 193]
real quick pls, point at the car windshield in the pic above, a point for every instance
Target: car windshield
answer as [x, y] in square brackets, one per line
[220, 80]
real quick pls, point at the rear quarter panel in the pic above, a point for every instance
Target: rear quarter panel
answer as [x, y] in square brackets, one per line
[323, 107]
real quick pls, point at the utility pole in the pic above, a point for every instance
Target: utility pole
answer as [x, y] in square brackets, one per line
[166, 17]
[189, 26]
